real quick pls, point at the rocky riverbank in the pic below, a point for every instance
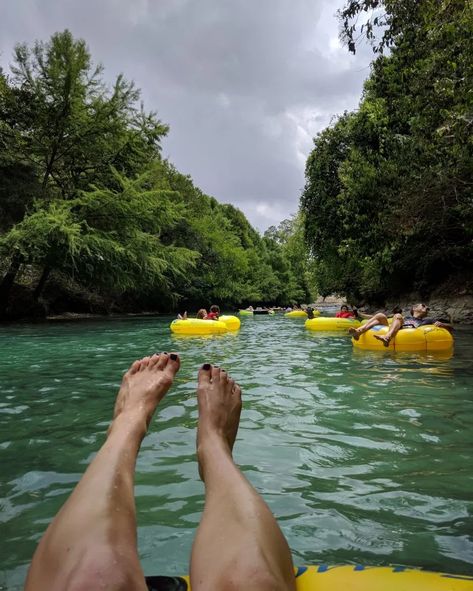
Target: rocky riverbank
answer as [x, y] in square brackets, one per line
[458, 308]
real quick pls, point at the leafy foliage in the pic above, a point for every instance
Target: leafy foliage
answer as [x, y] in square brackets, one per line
[388, 198]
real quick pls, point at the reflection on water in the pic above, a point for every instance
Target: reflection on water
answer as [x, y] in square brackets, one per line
[363, 456]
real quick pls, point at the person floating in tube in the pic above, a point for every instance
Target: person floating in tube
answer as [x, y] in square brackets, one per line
[417, 318]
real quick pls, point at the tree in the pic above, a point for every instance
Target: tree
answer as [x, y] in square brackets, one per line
[388, 199]
[106, 238]
[69, 129]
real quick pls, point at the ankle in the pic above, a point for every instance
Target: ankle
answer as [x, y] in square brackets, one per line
[212, 446]
[132, 423]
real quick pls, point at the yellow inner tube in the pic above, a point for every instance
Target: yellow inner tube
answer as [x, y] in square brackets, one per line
[423, 338]
[360, 578]
[331, 324]
[231, 322]
[298, 314]
[196, 326]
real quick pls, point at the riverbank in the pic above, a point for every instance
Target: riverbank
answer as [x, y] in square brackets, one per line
[458, 308]
[452, 301]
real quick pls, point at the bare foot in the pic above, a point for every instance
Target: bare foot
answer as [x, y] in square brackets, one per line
[384, 339]
[144, 386]
[219, 399]
[354, 333]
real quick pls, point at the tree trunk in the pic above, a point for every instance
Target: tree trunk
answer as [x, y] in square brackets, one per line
[8, 281]
[42, 282]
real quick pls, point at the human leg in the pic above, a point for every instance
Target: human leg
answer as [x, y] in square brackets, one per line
[238, 545]
[396, 324]
[91, 543]
[379, 318]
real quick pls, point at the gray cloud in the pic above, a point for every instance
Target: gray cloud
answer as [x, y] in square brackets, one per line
[244, 85]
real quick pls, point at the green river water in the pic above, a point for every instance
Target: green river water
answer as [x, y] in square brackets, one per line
[363, 457]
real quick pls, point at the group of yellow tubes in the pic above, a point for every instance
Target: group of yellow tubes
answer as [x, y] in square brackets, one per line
[423, 338]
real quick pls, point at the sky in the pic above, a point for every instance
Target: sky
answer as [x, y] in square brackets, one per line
[244, 85]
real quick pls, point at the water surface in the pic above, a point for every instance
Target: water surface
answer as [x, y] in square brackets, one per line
[363, 457]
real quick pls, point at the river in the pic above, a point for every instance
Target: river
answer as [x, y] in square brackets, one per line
[363, 457]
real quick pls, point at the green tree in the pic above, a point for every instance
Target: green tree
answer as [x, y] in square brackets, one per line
[65, 130]
[108, 239]
[388, 199]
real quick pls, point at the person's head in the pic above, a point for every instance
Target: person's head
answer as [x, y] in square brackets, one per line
[397, 310]
[202, 313]
[419, 310]
[343, 308]
[215, 309]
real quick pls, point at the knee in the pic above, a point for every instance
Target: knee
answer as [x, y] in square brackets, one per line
[399, 317]
[381, 318]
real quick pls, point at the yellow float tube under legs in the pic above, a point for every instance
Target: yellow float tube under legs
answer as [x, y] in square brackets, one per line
[352, 578]
[423, 338]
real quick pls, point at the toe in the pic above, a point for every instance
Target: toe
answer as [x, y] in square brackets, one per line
[205, 373]
[154, 360]
[135, 366]
[224, 376]
[215, 374]
[229, 383]
[144, 363]
[236, 391]
[162, 361]
[173, 364]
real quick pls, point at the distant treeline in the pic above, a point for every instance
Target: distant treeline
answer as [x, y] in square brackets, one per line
[388, 201]
[92, 216]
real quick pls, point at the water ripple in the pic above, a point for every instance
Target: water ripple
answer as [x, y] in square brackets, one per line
[363, 457]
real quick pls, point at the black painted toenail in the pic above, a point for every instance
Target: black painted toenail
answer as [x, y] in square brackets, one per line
[173, 356]
[206, 366]
[165, 352]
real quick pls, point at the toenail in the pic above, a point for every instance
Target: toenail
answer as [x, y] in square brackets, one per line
[165, 352]
[206, 366]
[173, 356]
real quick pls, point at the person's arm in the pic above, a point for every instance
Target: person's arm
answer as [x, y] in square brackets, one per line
[359, 314]
[445, 325]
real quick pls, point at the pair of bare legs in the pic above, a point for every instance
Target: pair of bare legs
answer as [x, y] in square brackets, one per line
[377, 319]
[91, 543]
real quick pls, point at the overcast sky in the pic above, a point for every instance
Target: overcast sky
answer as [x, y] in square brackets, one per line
[244, 84]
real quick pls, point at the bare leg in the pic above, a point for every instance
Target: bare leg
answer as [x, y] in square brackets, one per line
[238, 545]
[91, 543]
[374, 321]
[393, 330]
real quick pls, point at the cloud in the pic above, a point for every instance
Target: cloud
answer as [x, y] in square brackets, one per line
[243, 85]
